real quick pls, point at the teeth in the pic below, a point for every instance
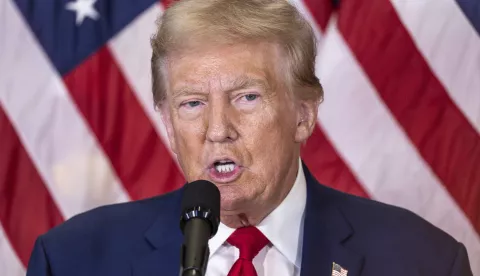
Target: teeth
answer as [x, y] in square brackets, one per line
[224, 168]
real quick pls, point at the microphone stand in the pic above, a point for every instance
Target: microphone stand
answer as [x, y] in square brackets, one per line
[195, 251]
[195, 270]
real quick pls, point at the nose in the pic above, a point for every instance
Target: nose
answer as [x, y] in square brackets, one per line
[219, 124]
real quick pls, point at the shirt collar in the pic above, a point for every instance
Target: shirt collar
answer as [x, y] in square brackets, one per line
[283, 226]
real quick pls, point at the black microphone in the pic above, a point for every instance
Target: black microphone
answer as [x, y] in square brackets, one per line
[199, 222]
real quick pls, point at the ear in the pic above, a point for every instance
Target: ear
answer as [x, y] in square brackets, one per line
[306, 119]
[167, 122]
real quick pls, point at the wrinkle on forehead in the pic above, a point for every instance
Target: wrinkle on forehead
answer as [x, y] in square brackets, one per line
[223, 68]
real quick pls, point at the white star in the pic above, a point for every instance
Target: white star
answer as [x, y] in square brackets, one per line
[83, 8]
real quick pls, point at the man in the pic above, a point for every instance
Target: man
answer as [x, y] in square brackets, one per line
[235, 85]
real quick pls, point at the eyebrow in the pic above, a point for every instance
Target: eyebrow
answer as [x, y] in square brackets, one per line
[243, 82]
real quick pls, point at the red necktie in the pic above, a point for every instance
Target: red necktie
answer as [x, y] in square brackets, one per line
[249, 240]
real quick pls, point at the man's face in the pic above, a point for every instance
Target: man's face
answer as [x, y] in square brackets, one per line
[232, 121]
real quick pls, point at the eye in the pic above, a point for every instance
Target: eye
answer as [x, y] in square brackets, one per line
[248, 101]
[248, 98]
[191, 104]
[251, 97]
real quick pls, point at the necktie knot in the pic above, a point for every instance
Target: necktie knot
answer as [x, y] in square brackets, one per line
[249, 240]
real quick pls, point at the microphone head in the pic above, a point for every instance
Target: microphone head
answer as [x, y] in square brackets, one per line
[201, 199]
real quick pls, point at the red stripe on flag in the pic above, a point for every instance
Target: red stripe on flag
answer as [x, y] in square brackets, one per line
[26, 207]
[327, 166]
[138, 155]
[416, 98]
[321, 10]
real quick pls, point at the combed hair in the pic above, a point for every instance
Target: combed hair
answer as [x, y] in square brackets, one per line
[187, 23]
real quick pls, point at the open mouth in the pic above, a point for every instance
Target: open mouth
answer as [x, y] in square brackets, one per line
[224, 171]
[224, 166]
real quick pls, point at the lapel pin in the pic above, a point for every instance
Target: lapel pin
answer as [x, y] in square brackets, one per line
[337, 270]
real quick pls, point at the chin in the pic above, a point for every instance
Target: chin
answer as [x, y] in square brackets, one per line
[231, 205]
[228, 206]
[235, 198]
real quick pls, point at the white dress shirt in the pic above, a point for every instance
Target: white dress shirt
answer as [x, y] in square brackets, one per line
[283, 227]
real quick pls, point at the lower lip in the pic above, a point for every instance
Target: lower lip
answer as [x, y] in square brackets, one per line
[224, 177]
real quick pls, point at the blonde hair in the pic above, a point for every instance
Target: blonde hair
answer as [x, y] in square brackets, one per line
[187, 23]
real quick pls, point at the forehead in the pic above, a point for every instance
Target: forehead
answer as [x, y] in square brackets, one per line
[221, 67]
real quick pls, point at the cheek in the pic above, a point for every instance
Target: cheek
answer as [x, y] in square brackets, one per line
[189, 142]
[188, 132]
[267, 135]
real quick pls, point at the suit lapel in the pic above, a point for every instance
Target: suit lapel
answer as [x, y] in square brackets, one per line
[326, 231]
[165, 239]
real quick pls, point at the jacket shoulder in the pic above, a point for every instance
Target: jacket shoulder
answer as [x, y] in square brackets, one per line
[368, 213]
[109, 235]
[393, 235]
[120, 217]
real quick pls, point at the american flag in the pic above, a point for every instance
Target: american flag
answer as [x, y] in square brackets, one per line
[337, 270]
[400, 122]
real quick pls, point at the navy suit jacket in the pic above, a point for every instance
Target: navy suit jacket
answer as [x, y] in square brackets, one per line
[143, 238]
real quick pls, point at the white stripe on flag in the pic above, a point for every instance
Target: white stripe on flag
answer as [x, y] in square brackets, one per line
[376, 149]
[450, 45]
[75, 170]
[131, 48]
[10, 265]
